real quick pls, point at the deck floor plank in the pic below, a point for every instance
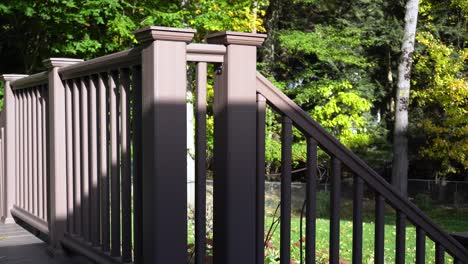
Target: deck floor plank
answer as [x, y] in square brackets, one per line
[19, 246]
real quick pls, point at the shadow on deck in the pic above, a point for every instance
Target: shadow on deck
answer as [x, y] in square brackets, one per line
[19, 245]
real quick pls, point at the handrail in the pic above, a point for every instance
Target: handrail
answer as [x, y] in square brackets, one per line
[116, 60]
[205, 52]
[32, 220]
[281, 103]
[30, 81]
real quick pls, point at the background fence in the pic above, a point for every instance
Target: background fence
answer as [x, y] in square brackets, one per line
[422, 192]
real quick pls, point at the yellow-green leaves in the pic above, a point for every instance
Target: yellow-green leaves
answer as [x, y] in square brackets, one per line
[242, 15]
[443, 95]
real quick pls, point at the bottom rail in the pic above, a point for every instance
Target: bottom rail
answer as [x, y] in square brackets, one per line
[95, 254]
[30, 219]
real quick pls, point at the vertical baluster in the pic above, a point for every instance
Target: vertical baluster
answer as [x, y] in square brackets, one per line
[19, 151]
[400, 238]
[115, 175]
[40, 176]
[286, 164]
[200, 167]
[3, 210]
[137, 184]
[44, 149]
[17, 182]
[77, 157]
[45, 167]
[420, 246]
[311, 207]
[24, 150]
[69, 151]
[84, 160]
[439, 254]
[17, 169]
[335, 211]
[379, 229]
[126, 177]
[29, 153]
[94, 181]
[260, 217]
[34, 150]
[2, 166]
[357, 219]
[103, 164]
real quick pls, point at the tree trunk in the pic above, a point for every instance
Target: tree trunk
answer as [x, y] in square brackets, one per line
[400, 138]
[271, 23]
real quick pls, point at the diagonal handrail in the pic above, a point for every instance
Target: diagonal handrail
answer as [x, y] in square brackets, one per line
[284, 105]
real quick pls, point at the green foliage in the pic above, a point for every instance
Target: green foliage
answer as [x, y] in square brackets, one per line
[336, 59]
[331, 45]
[324, 60]
[212, 15]
[442, 97]
[323, 204]
[338, 108]
[36, 30]
[446, 20]
[85, 29]
[423, 201]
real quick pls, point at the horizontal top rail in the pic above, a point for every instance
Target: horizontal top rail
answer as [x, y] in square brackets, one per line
[281, 103]
[105, 63]
[30, 81]
[198, 52]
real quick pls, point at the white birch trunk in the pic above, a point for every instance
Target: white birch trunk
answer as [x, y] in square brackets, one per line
[400, 138]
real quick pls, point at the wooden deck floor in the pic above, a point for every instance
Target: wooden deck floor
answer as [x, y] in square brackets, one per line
[19, 246]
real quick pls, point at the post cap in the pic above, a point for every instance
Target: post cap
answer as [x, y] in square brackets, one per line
[59, 62]
[236, 38]
[12, 77]
[151, 33]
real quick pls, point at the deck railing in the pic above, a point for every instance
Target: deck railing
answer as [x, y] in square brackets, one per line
[340, 156]
[94, 154]
[3, 207]
[30, 99]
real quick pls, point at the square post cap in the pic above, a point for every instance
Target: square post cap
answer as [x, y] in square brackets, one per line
[152, 33]
[236, 38]
[12, 77]
[60, 62]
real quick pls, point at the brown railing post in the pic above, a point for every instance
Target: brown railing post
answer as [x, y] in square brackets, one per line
[9, 146]
[235, 111]
[56, 158]
[164, 146]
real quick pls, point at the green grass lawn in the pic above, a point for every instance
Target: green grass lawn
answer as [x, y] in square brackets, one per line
[346, 240]
[451, 220]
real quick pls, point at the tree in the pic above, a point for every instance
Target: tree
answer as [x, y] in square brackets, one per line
[331, 57]
[400, 137]
[441, 97]
[31, 31]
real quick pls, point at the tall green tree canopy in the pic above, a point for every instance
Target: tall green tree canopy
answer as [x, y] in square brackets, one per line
[31, 31]
[337, 59]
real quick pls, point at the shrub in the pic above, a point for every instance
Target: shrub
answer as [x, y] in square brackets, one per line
[423, 201]
[323, 204]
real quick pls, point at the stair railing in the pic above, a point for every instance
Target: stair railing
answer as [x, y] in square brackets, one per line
[341, 156]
